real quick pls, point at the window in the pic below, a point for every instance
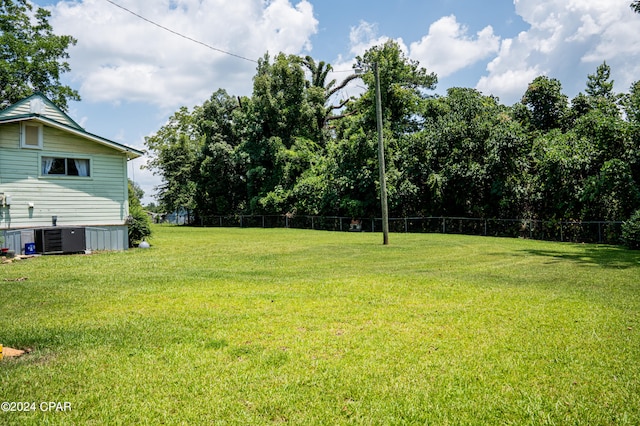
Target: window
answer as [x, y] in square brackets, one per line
[55, 166]
[31, 136]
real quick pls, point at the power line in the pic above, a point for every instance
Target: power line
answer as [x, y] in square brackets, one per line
[181, 35]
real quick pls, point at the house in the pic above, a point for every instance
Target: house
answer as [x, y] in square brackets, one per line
[61, 187]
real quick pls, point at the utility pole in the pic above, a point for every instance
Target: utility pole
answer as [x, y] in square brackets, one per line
[383, 178]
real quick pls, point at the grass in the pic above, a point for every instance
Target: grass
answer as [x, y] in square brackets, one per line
[255, 326]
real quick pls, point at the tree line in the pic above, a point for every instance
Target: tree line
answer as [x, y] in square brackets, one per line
[295, 147]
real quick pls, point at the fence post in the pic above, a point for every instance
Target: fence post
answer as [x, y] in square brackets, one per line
[444, 226]
[600, 232]
[406, 225]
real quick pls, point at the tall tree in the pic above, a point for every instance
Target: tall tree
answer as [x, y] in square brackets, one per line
[612, 194]
[318, 85]
[546, 102]
[282, 131]
[32, 57]
[632, 108]
[635, 5]
[403, 85]
[600, 91]
[632, 103]
[221, 187]
[279, 99]
[561, 162]
[600, 83]
[465, 158]
[175, 151]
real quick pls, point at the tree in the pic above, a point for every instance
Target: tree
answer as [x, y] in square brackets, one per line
[32, 57]
[403, 85]
[600, 94]
[635, 5]
[632, 103]
[221, 186]
[560, 164]
[318, 86]
[612, 194]
[280, 132]
[403, 88]
[175, 151]
[546, 103]
[463, 162]
[599, 84]
[631, 231]
[279, 99]
[632, 108]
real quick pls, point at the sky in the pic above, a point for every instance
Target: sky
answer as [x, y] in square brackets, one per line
[133, 75]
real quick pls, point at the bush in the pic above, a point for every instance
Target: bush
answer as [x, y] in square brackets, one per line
[631, 231]
[138, 221]
[139, 225]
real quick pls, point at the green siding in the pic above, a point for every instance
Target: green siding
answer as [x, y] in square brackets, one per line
[98, 200]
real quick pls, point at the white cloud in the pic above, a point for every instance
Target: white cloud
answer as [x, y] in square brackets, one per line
[447, 47]
[365, 36]
[120, 57]
[566, 40]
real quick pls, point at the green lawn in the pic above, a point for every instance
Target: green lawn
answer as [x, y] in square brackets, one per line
[255, 326]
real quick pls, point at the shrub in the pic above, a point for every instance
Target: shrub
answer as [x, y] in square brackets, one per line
[631, 231]
[139, 225]
[138, 221]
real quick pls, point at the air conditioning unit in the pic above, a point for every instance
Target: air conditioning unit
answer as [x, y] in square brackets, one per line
[60, 240]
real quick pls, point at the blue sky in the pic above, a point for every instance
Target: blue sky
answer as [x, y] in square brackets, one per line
[132, 75]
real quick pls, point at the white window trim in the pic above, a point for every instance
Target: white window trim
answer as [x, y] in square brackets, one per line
[68, 157]
[23, 136]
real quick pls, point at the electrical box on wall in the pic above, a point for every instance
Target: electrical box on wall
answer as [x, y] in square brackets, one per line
[7, 200]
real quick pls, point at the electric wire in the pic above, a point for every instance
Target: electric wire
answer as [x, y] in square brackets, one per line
[193, 39]
[179, 34]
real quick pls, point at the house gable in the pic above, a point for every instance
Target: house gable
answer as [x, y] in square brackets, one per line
[37, 105]
[38, 109]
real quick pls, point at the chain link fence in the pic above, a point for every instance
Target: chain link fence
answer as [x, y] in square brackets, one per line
[603, 232]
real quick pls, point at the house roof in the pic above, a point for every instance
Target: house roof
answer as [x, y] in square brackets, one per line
[38, 108]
